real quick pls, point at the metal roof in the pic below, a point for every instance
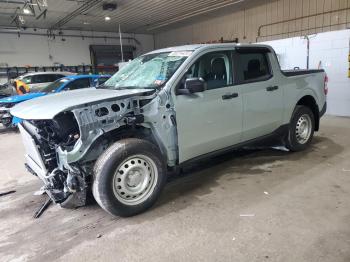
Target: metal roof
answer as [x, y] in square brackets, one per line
[135, 16]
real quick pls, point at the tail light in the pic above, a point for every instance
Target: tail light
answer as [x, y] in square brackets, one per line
[326, 84]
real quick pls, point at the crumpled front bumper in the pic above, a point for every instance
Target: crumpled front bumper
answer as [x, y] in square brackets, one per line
[32, 155]
[67, 189]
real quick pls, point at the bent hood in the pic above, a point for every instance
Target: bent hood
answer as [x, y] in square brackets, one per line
[21, 98]
[48, 107]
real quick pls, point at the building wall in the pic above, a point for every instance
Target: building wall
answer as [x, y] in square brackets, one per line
[329, 51]
[244, 24]
[41, 51]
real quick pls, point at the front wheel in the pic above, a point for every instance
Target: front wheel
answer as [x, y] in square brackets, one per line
[301, 129]
[129, 177]
[6, 122]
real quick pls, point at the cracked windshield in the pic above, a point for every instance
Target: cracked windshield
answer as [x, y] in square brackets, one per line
[149, 71]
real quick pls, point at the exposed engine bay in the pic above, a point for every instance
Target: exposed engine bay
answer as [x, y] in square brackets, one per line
[62, 151]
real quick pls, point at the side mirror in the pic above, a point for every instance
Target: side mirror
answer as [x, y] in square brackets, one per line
[192, 85]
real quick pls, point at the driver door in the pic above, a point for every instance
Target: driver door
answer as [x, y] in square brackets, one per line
[211, 120]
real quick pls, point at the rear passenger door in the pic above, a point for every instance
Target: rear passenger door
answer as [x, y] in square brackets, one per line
[262, 97]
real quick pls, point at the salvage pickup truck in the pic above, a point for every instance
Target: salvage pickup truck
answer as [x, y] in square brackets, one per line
[161, 111]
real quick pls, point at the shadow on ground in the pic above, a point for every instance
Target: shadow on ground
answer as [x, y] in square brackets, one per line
[8, 130]
[68, 228]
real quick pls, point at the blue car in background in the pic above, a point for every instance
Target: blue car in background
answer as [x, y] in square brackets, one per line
[64, 84]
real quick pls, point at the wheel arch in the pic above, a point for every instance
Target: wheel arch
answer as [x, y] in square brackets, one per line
[121, 133]
[310, 102]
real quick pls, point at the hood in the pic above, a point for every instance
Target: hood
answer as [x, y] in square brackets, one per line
[48, 107]
[20, 98]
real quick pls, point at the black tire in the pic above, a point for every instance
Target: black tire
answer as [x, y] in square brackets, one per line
[7, 123]
[105, 173]
[292, 141]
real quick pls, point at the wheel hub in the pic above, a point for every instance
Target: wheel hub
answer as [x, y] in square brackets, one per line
[303, 129]
[135, 179]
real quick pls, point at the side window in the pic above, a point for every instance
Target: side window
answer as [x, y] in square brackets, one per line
[101, 80]
[56, 77]
[27, 79]
[78, 84]
[215, 68]
[252, 67]
[36, 79]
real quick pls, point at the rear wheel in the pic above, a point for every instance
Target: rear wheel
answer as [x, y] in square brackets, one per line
[129, 177]
[301, 129]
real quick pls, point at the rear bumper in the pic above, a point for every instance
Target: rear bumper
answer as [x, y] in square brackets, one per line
[324, 109]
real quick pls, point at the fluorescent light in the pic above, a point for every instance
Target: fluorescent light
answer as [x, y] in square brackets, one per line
[26, 11]
[107, 18]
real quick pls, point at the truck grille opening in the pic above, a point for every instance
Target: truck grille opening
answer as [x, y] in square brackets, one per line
[62, 131]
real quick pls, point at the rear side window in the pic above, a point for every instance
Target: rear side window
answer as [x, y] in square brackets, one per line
[78, 84]
[56, 77]
[36, 79]
[252, 67]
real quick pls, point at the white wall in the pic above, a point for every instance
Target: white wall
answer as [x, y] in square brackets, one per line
[35, 50]
[332, 50]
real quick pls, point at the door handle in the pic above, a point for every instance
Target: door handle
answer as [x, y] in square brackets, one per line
[271, 88]
[229, 96]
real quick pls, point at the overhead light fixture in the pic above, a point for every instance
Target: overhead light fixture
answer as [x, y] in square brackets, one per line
[86, 23]
[109, 6]
[107, 18]
[26, 11]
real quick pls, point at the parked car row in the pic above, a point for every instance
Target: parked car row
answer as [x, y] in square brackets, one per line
[62, 82]
[30, 82]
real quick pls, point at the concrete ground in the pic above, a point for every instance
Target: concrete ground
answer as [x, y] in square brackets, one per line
[252, 205]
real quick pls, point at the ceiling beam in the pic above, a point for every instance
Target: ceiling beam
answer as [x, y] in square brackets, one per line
[13, 1]
[80, 10]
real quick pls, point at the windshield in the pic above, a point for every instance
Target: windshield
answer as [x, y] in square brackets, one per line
[55, 85]
[147, 71]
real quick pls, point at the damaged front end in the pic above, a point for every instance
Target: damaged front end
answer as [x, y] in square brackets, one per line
[62, 151]
[42, 138]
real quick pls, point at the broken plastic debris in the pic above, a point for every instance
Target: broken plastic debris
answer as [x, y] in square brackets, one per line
[247, 215]
[266, 193]
[346, 170]
[99, 236]
[233, 238]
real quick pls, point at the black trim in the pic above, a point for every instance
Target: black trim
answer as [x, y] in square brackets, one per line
[275, 138]
[251, 49]
[301, 72]
[324, 109]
